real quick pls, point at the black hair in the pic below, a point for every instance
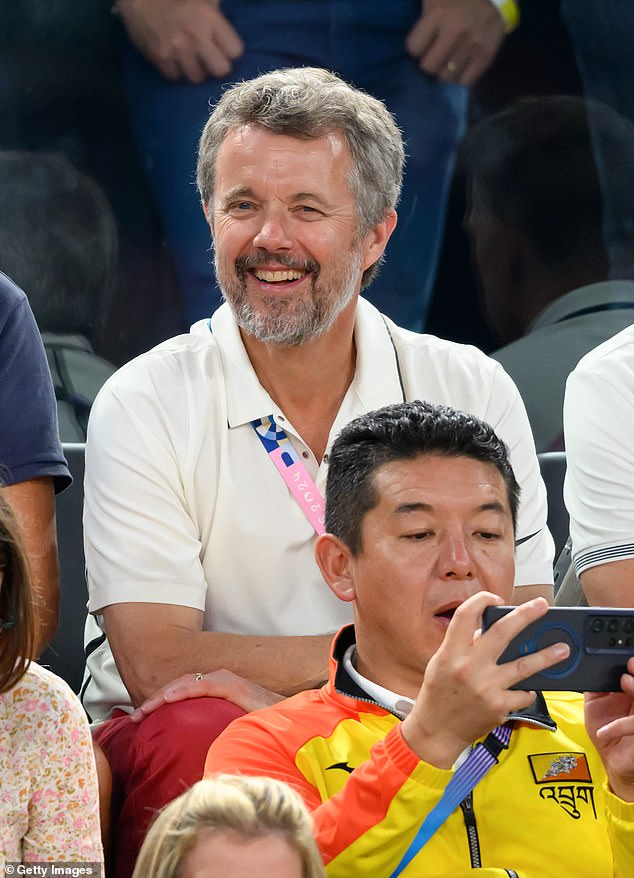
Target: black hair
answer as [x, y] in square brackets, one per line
[535, 165]
[403, 431]
[58, 240]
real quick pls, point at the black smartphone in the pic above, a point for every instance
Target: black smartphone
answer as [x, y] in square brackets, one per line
[601, 639]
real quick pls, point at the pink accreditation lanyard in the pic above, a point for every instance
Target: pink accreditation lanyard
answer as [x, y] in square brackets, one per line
[290, 467]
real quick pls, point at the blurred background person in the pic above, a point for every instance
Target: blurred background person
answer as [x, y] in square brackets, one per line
[61, 91]
[536, 59]
[232, 827]
[58, 241]
[601, 33]
[49, 807]
[536, 220]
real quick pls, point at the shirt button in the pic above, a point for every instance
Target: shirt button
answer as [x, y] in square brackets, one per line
[305, 454]
[325, 458]
[281, 418]
[403, 707]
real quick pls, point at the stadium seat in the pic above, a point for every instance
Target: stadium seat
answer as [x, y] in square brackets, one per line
[65, 654]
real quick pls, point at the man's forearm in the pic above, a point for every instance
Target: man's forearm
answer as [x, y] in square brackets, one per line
[33, 503]
[610, 585]
[45, 569]
[154, 645]
[281, 664]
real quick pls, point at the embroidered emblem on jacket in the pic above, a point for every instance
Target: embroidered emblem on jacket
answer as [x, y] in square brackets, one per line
[565, 780]
[563, 765]
[547, 767]
[344, 766]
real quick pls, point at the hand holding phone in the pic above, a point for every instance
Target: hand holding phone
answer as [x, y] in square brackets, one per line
[601, 639]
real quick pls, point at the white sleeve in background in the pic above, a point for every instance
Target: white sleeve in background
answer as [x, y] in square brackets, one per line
[535, 548]
[599, 434]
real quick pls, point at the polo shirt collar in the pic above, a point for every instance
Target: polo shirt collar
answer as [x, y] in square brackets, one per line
[246, 398]
[376, 381]
[399, 705]
[602, 293]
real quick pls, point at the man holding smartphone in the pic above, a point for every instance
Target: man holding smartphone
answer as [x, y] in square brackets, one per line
[420, 511]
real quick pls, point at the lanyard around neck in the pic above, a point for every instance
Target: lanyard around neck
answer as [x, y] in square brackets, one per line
[290, 467]
[483, 756]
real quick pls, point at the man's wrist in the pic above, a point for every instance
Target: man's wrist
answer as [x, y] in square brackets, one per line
[623, 791]
[509, 10]
[434, 749]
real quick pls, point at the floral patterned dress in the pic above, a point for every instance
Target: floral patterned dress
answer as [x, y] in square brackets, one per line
[49, 803]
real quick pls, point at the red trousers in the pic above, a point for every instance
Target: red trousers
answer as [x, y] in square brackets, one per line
[153, 762]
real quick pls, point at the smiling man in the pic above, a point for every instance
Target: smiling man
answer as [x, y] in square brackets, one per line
[420, 512]
[206, 457]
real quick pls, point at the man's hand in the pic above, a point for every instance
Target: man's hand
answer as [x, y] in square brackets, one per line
[456, 40]
[465, 693]
[184, 39]
[610, 724]
[218, 684]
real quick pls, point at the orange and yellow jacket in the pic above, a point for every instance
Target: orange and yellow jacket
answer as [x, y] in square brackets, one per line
[544, 811]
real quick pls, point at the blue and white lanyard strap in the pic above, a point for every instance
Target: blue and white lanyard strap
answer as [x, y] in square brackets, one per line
[292, 470]
[482, 757]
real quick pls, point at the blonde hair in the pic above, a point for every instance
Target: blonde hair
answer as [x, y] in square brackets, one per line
[249, 806]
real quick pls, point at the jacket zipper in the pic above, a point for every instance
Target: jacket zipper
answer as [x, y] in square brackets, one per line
[472, 835]
[472, 831]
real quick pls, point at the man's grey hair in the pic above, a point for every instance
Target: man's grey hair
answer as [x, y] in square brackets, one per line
[308, 102]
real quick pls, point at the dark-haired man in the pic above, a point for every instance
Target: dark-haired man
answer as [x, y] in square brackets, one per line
[68, 277]
[420, 509]
[552, 288]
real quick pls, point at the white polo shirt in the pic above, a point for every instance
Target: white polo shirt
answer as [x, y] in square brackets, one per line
[183, 505]
[599, 432]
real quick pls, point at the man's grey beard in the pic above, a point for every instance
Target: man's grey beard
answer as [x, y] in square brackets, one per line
[308, 318]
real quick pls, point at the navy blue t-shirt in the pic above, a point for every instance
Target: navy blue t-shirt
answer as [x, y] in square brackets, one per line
[29, 436]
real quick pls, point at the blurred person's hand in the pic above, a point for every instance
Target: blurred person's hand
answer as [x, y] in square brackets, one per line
[218, 684]
[184, 39]
[456, 40]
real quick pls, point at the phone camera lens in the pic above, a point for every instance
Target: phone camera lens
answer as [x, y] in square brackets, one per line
[628, 626]
[613, 625]
[596, 626]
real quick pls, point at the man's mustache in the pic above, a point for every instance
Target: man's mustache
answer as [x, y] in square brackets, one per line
[263, 257]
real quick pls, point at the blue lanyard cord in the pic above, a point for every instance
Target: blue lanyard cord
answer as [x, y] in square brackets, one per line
[472, 770]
